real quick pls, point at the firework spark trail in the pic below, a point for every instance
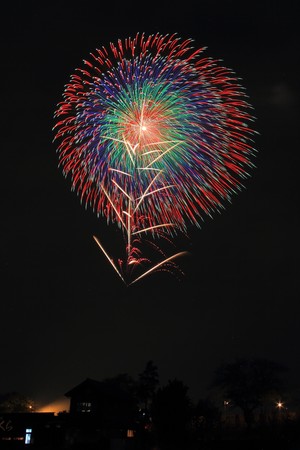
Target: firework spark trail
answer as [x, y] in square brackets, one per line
[152, 130]
[164, 261]
[108, 257]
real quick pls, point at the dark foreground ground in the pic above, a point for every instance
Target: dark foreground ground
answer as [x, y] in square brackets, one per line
[275, 444]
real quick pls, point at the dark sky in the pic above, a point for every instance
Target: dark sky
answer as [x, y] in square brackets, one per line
[65, 315]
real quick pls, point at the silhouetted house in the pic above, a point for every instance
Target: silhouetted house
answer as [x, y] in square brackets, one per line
[102, 412]
[102, 415]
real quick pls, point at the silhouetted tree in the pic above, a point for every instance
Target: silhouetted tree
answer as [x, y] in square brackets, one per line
[124, 382]
[172, 412]
[247, 383]
[147, 384]
[206, 418]
[122, 399]
[15, 402]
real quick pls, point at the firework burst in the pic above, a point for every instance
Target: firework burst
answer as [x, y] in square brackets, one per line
[154, 136]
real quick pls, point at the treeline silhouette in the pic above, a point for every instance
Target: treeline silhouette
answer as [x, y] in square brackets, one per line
[247, 404]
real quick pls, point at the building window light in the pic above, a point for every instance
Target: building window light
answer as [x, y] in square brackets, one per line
[84, 407]
[28, 435]
[130, 433]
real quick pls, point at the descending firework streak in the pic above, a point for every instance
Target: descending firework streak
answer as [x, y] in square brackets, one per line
[154, 136]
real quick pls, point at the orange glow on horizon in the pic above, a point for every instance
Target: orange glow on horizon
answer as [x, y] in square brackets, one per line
[59, 405]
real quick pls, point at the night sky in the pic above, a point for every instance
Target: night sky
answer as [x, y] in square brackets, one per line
[65, 315]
